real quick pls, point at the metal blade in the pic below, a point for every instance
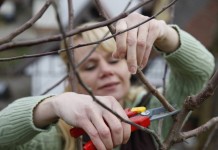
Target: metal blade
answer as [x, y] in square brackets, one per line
[163, 115]
[154, 111]
[157, 111]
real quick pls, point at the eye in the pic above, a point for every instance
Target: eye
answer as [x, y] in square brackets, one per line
[113, 61]
[89, 66]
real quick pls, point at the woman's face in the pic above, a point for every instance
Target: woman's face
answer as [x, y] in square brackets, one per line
[105, 75]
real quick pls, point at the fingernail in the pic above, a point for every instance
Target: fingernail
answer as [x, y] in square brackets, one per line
[115, 55]
[141, 67]
[132, 69]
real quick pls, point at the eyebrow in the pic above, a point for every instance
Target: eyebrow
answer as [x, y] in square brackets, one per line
[84, 61]
[89, 60]
[92, 59]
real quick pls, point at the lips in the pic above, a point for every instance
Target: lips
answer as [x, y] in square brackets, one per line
[108, 85]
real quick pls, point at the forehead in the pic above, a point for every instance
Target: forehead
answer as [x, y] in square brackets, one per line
[82, 52]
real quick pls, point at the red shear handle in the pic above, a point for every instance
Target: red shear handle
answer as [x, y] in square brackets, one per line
[139, 119]
[76, 132]
[130, 113]
[89, 146]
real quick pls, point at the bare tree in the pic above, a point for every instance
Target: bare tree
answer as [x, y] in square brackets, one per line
[190, 103]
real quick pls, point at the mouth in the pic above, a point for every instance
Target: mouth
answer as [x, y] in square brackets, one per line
[109, 85]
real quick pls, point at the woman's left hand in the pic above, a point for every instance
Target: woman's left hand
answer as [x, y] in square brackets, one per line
[135, 45]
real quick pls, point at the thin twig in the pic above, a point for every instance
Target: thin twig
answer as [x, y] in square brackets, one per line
[27, 25]
[209, 139]
[164, 79]
[70, 27]
[85, 29]
[117, 115]
[104, 14]
[186, 119]
[141, 77]
[92, 51]
[191, 103]
[69, 53]
[127, 6]
[87, 89]
[28, 56]
[139, 73]
[55, 85]
[159, 96]
[73, 78]
[59, 37]
[203, 128]
[70, 15]
[154, 91]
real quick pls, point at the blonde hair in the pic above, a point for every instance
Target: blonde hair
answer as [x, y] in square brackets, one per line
[108, 46]
[69, 142]
[93, 36]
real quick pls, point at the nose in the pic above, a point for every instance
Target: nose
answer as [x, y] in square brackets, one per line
[105, 69]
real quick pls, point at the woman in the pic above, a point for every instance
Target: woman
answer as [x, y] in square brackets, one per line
[190, 63]
[108, 76]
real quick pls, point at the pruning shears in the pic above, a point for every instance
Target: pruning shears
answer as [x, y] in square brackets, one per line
[138, 115]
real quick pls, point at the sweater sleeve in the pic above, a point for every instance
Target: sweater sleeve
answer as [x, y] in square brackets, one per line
[191, 65]
[16, 121]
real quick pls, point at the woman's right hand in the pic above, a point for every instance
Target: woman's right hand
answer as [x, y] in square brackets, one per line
[105, 130]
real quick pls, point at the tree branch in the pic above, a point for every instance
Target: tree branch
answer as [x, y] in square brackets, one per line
[154, 91]
[194, 102]
[27, 25]
[203, 128]
[191, 103]
[59, 37]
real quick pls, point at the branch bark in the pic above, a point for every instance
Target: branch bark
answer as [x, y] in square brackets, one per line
[59, 37]
[27, 25]
[191, 103]
[203, 128]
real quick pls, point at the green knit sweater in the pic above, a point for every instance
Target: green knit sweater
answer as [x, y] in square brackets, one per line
[191, 66]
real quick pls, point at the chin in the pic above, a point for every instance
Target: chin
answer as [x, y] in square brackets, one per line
[115, 95]
[118, 97]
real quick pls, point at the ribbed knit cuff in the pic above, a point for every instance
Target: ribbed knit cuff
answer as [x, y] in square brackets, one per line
[191, 55]
[17, 120]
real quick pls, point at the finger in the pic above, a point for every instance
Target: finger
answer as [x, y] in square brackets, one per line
[115, 126]
[126, 131]
[93, 134]
[131, 50]
[103, 130]
[120, 40]
[141, 43]
[126, 127]
[151, 37]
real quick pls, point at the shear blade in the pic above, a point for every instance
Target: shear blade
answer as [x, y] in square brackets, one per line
[156, 111]
[163, 115]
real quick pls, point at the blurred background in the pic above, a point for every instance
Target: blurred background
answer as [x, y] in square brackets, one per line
[33, 76]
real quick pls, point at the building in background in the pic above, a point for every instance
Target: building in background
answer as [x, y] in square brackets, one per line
[34, 76]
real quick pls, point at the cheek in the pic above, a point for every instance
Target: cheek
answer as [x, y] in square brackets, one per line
[88, 79]
[124, 74]
[124, 70]
[127, 80]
